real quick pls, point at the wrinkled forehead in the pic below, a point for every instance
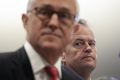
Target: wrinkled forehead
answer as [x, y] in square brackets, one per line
[83, 33]
[83, 38]
[68, 4]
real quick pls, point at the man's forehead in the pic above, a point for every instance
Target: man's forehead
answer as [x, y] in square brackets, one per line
[70, 4]
[83, 37]
[83, 33]
[83, 30]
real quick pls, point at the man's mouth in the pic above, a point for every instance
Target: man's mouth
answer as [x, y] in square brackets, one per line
[51, 33]
[88, 57]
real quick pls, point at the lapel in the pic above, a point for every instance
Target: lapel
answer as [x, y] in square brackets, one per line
[23, 66]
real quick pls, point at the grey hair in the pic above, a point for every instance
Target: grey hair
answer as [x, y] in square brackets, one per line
[83, 22]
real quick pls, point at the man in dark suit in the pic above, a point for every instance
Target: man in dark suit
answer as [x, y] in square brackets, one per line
[48, 24]
[69, 74]
[80, 55]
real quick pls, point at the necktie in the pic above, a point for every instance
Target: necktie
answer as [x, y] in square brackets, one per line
[52, 72]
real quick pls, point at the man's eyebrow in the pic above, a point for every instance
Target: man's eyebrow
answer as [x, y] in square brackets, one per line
[92, 40]
[64, 9]
[78, 39]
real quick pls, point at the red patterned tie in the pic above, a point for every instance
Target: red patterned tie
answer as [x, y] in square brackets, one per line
[52, 71]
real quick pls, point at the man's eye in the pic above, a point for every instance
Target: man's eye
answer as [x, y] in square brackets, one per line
[64, 15]
[92, 44]
[78, 44]
[43, 12]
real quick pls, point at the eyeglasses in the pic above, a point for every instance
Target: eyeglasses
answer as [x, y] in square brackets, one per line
[46, 12]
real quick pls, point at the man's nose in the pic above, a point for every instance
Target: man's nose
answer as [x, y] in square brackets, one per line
[88, 48]
[54, 22]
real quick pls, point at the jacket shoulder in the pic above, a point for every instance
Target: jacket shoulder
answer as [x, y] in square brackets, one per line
[6, 66]
[68, 74]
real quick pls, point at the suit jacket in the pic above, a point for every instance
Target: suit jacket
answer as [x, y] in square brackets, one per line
[16, 66]
[69, 74]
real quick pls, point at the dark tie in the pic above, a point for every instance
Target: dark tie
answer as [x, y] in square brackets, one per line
[52, 72]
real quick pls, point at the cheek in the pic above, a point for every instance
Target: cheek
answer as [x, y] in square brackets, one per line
[74, 54]
[68, 32]
[66, 36]
[95, 57]
[36, 25]
[34, 30]
[78, 55]
[94, 53]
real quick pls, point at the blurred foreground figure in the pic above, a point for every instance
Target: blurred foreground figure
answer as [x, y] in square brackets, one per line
[48, 24]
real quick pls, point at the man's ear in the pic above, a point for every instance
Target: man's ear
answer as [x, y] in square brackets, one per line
[25, 20]
[76, 28]
[63, 58]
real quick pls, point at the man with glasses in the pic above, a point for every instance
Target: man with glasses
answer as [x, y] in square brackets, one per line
[48, 24]
[80, 55]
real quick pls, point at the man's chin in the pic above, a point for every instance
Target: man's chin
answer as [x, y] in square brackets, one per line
[90, 65]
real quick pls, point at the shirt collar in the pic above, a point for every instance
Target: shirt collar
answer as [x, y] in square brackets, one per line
[37, 62]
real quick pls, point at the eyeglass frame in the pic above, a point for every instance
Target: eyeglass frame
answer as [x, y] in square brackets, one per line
[60, 15]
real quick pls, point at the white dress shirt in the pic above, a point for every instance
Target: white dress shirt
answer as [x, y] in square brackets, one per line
[38, 63]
